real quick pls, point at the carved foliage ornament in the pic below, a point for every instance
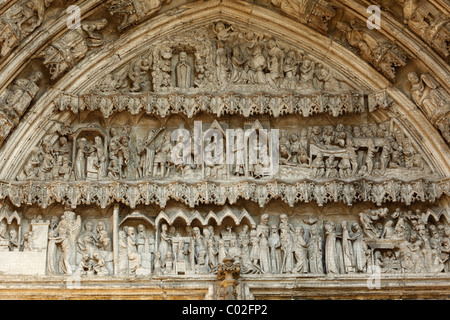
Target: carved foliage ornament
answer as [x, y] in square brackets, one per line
[132, 194]
[131, 12]
[164, 104]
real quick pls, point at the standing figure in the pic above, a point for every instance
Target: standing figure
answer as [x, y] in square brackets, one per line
[300, 251]
[347, 249]
[162, 156]
[100, 158]
[315, 251]
[262, 232]
[287, 245]
[222, 63]
[51, 247]
[191, 248]
[371, 150]
[183, 70]
[141, 239]
[165, 243]
[222, 251]
[73, 227]
[199, 243]
[360, 249]
[80, 160]
[254, 253]
[275, 249]
[123, 253]
[331, 263]
[134, 257]
[211, 252]
[65, 264]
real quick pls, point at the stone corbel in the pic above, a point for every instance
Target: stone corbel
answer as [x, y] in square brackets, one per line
[228, 271]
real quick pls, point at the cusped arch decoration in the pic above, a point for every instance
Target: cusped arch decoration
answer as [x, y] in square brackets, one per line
[137, 215]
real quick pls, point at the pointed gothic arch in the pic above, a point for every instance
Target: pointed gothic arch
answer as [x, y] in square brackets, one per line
[244, 62]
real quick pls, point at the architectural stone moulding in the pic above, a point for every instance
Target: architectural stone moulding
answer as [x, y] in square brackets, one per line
[132, 194]
[382, 53]
[165, 104]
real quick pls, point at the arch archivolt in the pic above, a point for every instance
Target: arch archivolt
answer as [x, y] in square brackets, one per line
[360, 118]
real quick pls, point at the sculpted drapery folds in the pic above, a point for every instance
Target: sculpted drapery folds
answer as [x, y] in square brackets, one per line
[280, 245]
[432, 100]
[225, 148]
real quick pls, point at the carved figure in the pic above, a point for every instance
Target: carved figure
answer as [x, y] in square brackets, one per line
[183, 69]
[300, 251]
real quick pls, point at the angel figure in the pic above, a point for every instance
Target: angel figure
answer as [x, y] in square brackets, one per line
[222, 33]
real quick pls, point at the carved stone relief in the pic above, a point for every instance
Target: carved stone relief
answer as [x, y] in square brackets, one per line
[224, 57]
[432, 100]
[20, 20]
[156, 133]
[91, 152]
[187, 243]
[15, 100]
[64, 52]
[373, 47]
[316, 13]
[131, 12]
[432, 25]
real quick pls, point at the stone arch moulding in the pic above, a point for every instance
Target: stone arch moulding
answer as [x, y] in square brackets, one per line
[385, 150]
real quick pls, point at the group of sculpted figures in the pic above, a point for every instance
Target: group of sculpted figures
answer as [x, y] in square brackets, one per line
[248, 58]
[10, 241]
[325, 152]
[73, 249]
[238, 57]
[397, 242]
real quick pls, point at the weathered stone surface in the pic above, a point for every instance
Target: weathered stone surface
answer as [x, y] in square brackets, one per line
[224, 150]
